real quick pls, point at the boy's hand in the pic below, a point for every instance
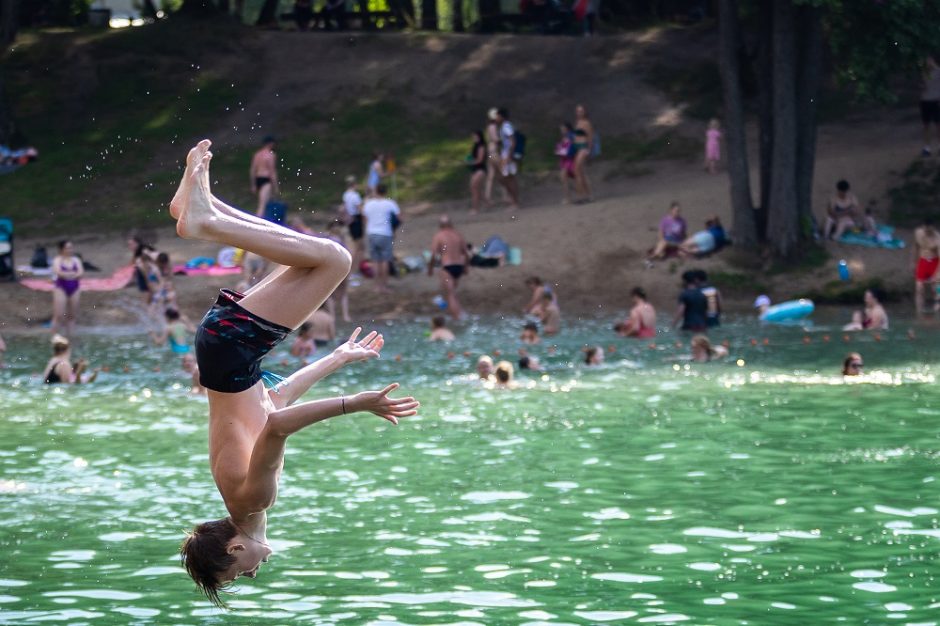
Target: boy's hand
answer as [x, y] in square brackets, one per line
[368, 348]
[380, 404]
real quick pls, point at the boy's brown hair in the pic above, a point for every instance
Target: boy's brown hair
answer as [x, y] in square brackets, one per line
[204, 555]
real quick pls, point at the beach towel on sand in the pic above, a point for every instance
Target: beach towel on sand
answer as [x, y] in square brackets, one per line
[884, 239]
[118, 280]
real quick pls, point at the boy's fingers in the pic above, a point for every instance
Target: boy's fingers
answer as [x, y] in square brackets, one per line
[368, 338]
[392, 387]
[355, 333]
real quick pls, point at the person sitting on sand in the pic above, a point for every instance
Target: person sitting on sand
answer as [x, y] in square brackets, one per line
[712, 239]
[188, 364]
[642, 320]
[504, 375]
[593, 355]
[530, 334]
[550, 315]
[485, 367]
[873, 317]
[671, 234]
[248, 425]
[841, 212]
[703, 350]
[304, 345]
[60, 368]
[439, 330]
[176, 331]
[853, 364]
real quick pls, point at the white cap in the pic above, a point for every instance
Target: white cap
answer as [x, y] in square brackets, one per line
[761, 301]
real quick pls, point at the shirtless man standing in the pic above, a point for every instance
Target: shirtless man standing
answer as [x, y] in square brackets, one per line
[249, 425]
[449, 250]
[263, 173]
[926, 260]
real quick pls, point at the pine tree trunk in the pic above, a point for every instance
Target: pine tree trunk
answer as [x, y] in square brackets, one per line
[807, 92]
[457, 9]
[783, 216]
[9, 21]
[429, 14]
[765, 106]
[7, 124]
[744, 230]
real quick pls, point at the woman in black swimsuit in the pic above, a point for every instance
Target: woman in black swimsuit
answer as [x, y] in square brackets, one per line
[477, 164]
[59, 369]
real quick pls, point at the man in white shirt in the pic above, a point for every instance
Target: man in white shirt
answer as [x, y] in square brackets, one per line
[507, 148]
[352, 216]
[377, 215]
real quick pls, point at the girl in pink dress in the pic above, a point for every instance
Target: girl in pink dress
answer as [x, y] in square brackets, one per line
[713, 146]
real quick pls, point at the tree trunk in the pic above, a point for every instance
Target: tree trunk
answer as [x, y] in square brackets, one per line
[7, 125]
[404, 11]
[783, 217]
[735, 129]
[457, 10]
[148, 9]
[429, 14]
[9, 21]
[807, 93]
[765, 106]
[268, 14]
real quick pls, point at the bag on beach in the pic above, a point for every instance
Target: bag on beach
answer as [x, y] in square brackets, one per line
[40, 258]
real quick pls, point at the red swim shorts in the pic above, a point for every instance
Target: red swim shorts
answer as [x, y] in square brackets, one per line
[926, 269]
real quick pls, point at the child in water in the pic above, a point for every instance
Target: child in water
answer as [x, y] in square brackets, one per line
[176, 331]
[703, 351]
[188, 364]
[530, 334]
[439, 330]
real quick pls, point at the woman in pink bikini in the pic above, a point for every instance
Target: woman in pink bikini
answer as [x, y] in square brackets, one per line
[642, 321]
[67, 270]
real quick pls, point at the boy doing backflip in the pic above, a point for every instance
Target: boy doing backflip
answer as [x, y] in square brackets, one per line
[248, 425]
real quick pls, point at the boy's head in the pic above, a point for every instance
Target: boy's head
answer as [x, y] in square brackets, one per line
[215, 554]
[437, 322]
[842, 186]
[381, 189]
[171, 314]
[304, 329]
[531, 327]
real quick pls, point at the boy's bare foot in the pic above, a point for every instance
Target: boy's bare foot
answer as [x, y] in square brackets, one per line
[192, 160]
[196, 210]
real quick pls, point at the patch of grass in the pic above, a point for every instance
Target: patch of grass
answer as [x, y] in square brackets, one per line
[697, 86]
[840, 292]
[738, 282]
[809, 257]
[917, 195]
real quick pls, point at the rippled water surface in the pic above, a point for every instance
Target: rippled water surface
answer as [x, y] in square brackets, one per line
[762, 491]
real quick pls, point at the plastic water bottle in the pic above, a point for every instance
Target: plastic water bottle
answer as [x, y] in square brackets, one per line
[844, 270]
[440, 302]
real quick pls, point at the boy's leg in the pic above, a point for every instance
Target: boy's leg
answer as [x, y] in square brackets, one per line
[315, 266]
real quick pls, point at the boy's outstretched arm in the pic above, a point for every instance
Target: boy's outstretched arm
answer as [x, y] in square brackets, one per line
[297, 384]
[260, 486]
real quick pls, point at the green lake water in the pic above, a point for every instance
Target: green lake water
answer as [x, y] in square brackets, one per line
[645, 491]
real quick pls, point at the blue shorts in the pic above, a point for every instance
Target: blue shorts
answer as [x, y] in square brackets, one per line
[380, 248]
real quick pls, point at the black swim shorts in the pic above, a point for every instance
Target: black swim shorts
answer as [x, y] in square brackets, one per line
[355, 227]
[230, 343]
[455, 271]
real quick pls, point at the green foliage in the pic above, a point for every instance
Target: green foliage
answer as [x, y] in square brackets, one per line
[738, 282]
[917, 195]
[808, 258]
[840, 292]
[876, 41]
[697, 86]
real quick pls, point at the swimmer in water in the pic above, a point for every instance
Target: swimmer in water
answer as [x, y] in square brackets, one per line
[304, 345]
[504, 375]
[60, 368]
[188, 364]
[249, 425]
[439, 330]
[642, 321]
[853, 364]
[485, 367]
[593, 356]
[530, 334]
[176, 331]
[703, 351]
